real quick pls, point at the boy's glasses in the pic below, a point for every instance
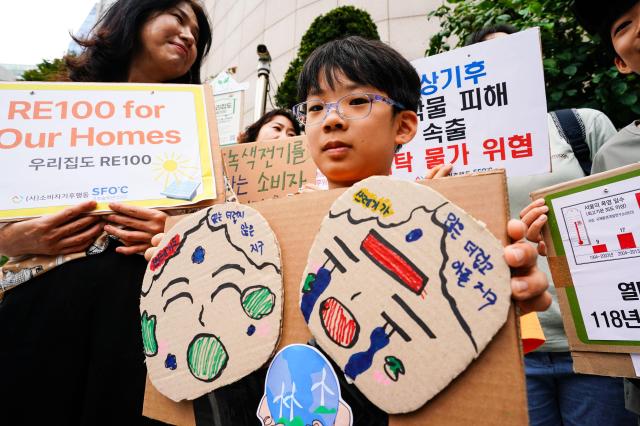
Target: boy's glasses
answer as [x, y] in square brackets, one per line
[354, 106]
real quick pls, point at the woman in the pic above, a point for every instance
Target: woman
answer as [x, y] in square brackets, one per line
[73, 331]
[275, 124]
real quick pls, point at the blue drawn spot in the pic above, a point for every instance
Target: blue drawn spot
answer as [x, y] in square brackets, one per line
[251, 329]
[170, 362]
[360, 362]
[198, 255]
[414, 235]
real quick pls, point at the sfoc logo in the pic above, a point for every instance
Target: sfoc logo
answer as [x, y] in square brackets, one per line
[110, 190]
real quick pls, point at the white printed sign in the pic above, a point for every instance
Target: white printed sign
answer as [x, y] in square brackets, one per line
[61, 144]
[229, 116]
[599, 227]
[482, 107]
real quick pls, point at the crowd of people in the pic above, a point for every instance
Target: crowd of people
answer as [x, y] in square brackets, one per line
[70, 335]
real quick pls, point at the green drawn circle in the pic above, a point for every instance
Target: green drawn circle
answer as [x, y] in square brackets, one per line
[206, 357]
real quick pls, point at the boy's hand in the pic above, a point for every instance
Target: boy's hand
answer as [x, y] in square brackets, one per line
[68, 231]
[151, 251]
[528, 284]
[534, 218]
[439, 171]
[140, 225]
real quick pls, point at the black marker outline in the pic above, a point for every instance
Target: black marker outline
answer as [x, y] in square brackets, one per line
[413, 315]
[174, 281]
[177, 296]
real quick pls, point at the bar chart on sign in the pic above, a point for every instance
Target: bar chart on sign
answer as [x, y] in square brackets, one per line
[605, 228]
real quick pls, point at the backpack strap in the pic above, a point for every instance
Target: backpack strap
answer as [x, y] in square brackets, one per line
[571, 128]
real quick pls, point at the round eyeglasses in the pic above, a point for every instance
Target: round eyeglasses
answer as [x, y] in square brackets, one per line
[354, 106]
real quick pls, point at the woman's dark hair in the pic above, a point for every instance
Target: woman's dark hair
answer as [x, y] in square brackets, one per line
[114, 39]
[367, 62]
[478, 36]
[251, 134]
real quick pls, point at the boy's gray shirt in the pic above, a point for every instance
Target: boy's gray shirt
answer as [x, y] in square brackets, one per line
[620, 150]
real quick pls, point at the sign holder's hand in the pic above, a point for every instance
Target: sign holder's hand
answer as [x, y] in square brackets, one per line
[528, 284]
[68, 231]
[439, 171]
[140, 225]
[534, 216]
[151, 251]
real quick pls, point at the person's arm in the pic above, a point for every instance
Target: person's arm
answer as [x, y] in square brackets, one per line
[68, 231]
[528, 284]
[140, 225]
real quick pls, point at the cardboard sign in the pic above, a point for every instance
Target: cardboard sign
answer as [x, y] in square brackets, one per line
[269, 169]
[211, 301]
[491, 389]
[301, 388]
[384, 311]
[593, 238]
[146, 145]
[482, 107]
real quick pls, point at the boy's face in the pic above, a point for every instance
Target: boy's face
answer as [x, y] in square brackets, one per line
[347, 151]
[625, 36]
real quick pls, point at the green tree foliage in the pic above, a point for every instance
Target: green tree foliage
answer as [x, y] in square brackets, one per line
[578, 68]
[338, 23]
[55, 70]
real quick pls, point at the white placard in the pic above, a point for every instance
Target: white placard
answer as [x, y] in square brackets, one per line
[482, 107]
[229, 116]
[600, 233]
[635, 359]
[61, 144]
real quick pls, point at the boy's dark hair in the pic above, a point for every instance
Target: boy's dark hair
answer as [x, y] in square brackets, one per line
[251, 134]
[366, 62]
[112, 43]
[478, 36]
[596, 18]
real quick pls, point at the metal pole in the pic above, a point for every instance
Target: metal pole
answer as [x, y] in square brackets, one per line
[262, 85]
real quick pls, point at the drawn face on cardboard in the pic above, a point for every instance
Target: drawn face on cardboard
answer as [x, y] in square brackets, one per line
[211, 303]
[403, 290]
[302, 388]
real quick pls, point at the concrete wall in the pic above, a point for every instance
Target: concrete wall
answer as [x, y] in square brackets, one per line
[240, 25]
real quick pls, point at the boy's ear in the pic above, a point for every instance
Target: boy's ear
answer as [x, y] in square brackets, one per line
[622, 65]
[406, 126]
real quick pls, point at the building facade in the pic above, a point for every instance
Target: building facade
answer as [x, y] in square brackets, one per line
[240, 25]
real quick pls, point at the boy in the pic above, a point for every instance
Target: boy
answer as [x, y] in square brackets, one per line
[360, 102]
[619, 26]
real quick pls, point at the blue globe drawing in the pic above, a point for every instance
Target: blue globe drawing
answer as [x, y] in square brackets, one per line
[301, 387]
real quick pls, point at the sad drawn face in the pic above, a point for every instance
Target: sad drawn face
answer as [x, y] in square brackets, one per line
[403, 290]
[211, 305]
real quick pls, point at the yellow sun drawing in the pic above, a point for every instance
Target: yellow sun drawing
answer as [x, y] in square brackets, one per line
[171, 167]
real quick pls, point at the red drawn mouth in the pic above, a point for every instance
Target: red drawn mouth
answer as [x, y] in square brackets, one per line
[339, 323]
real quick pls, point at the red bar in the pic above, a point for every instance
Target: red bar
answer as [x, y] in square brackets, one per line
[393, 262]
[599, 248]
[626, 241]
[638, 198]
